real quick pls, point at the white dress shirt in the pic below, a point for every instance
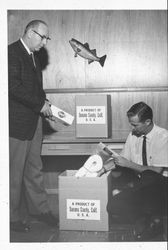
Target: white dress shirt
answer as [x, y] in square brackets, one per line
[156, 147]
[28, 50]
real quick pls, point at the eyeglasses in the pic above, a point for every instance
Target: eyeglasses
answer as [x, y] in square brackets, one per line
[42, 37]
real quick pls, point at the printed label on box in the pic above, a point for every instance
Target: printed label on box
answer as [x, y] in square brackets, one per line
[83, 209]
[90, 114]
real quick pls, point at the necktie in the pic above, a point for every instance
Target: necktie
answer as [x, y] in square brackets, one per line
[144, 156]
[32, 57]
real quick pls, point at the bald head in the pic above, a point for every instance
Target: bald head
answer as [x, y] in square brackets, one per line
[34, 24]
[36, 35]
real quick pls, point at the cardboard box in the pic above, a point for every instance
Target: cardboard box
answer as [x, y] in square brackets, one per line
[83, 201]
[93, 116]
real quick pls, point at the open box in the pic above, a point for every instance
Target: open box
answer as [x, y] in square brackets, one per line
[83, 201]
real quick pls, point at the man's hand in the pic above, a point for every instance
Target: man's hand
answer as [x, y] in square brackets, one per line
[121, 161]
[101, 172]
[46, 110]
[108, 166]
[51, 119]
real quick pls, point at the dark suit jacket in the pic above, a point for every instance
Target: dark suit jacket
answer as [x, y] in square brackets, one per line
[26, 94]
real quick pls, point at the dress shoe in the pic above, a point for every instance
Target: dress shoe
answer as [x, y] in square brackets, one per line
[152, 230]
[19, 226]
[48, 218]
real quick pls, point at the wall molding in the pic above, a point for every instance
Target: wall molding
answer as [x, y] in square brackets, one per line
[104, 90]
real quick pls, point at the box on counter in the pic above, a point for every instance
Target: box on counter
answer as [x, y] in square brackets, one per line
[83, 201]
[93, 116]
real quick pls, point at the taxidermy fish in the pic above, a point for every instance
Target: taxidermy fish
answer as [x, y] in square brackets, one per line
[84, 51]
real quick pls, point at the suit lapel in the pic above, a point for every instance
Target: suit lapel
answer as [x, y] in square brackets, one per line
[27, 55]
[36, 70]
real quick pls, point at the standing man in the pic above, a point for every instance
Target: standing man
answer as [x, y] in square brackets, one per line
[143, 168]
[27, 105]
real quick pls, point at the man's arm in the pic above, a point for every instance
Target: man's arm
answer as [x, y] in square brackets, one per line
[123, 162]
[108, 166]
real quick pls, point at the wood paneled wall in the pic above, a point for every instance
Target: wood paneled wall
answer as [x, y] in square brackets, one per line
[120, 103]
[135, 42]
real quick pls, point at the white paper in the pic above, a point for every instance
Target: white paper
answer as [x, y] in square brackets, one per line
[62, 115]
[83, 209]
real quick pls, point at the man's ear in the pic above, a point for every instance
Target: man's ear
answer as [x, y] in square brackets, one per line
[29, 33]
[148, 122]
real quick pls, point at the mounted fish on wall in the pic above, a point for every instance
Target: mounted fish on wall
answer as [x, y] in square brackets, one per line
[84, 51]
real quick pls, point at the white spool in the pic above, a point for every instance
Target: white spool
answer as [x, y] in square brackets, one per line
[93, 164]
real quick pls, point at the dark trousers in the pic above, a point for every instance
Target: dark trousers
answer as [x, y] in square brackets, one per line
[144, 195]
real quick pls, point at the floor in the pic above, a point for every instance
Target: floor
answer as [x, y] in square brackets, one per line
[40, 232]
[43, 233]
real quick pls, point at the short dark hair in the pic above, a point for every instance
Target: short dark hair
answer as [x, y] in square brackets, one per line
[141, 109]
[33, 24]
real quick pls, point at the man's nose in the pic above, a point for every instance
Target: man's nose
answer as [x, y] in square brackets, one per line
[44, 41]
